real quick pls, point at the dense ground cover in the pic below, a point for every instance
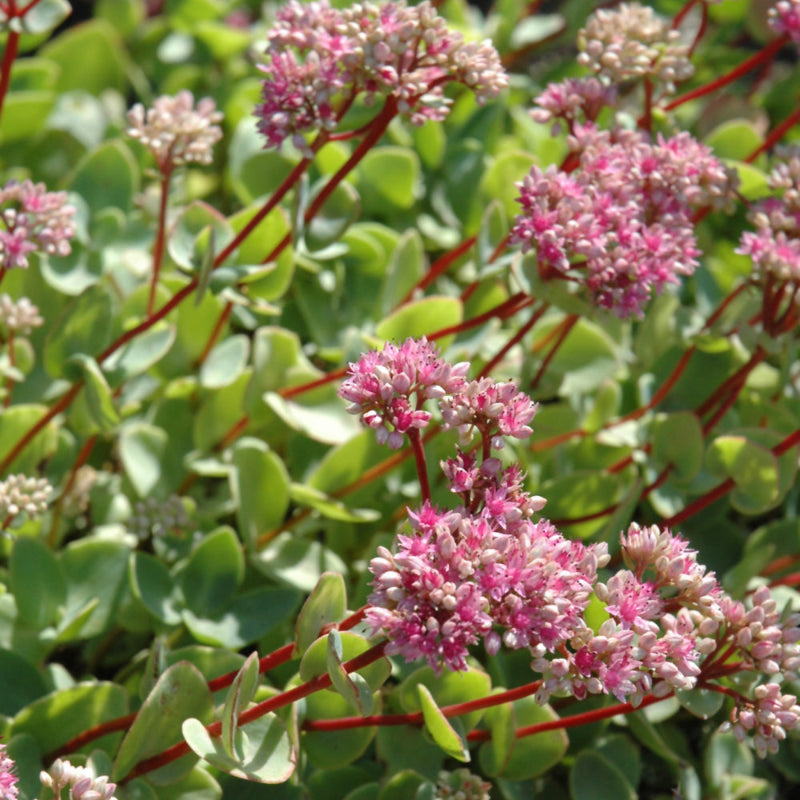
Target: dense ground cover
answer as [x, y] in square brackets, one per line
[399, 401]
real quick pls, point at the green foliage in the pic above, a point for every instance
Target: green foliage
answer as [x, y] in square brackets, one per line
[212, 498]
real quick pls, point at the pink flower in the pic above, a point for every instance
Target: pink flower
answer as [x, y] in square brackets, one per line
[8, 776]
[784, 17]
[388, 388]
[320, 58]
[621, 223]
[33, 219]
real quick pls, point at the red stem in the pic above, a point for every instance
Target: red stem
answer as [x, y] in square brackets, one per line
[792, 440]
[566, 325]
[439, 266]
[419, 460]
[9, 54]
[255, 712]
[775, 135]
[517, 337]
[755, 60]
[158, 245]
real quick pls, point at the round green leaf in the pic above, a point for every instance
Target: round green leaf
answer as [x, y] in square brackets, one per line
[106, 177]
[315, 660]
[248, 617]
[22, 682]
[180, 692]
[37, 581]
[441, 730]
[142, 450]
[703, 703]
[752, 467]
[15, 422]
[519, 759]
[421, 318]
[260, 485]
[59, 716]
[593, 777]
[152, 584]
[327, 603]
[389, 179]
[225, 362]
[214, 572]
[678, 441]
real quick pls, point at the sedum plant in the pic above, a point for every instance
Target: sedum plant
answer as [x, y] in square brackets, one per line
[399, 400]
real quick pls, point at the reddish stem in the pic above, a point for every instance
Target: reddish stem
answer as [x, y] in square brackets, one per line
[733, 383]
[439, 266]
[158, 245]
[763, 55]
[792, 440]
[566, 325]
[9, 54]
[775, 135]
[419, 459]
[215, 333]
[60, 405]
[517, 337]
[255, 712]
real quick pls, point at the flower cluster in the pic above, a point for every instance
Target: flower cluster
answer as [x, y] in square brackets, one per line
[493, 409]
[784, 17]
[633, 42]
[33, 219]
[389, 387]
[20, 494]
[80, 782]
[175, 131]
[461, 784]
[320, 58]
[8, 776]
[481, 572]
[20, 316]
[774, 246]
[573, 100]
[621, 222]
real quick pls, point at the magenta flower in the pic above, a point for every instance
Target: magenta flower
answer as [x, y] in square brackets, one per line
[621, 223]
[388, 388]
[33, 219]
[573, 100]
[784, 17]
[8, 776]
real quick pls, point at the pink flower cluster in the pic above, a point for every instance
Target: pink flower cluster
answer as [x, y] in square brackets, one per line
[784, 17]
[388, 389]
[621, 222]
[482, 572]
[574, 100]
[774, 246]
[33, 219]
[8, 776]
[320, 58]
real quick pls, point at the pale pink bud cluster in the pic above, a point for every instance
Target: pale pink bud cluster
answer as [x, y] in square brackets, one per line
[19, 316]
[8, 776]
[784, 17]
[389, 387]
[20, 494]
[492, 409]
[31, 219]
[461, 784]
[484, 571]
[774, 246]
[80, 782]
[621, 222]
[320, 58]
[766, 718]
[175, 131]
[573, 100]
[632, 41]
